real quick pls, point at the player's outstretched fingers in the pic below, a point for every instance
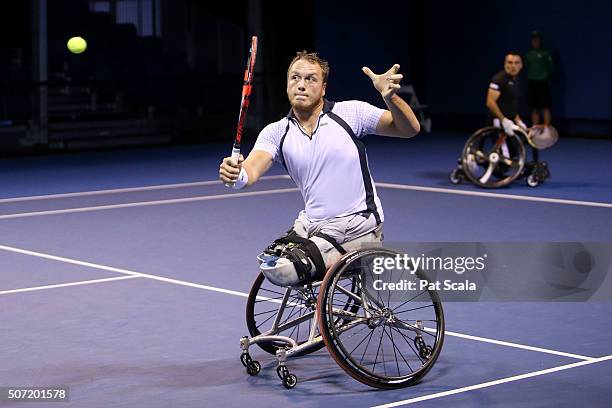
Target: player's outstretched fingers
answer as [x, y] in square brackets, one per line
[393, 69]
[395, 77]
[369, 73]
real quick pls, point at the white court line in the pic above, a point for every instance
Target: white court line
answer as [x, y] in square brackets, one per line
[492, 383]
[120, 270]
[510, 344]
[286, 177]
[62, 285]
[128, 190]
[236, 293]
[254, 193]
[494, 195]
[147, 203]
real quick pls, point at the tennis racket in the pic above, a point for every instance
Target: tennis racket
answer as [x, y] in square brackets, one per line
[542, 137]
[247, 86]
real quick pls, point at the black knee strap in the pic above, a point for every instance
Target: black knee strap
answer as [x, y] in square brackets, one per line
[300, 262]
[332, 241]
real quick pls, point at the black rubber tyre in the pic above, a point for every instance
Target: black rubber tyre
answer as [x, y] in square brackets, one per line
[344, 337]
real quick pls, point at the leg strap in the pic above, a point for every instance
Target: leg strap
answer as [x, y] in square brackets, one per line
[332, 241]
[299, 250]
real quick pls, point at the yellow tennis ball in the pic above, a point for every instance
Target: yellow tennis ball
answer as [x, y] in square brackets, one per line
[77, 45]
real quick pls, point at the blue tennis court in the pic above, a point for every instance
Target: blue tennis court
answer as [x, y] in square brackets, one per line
[120, 279]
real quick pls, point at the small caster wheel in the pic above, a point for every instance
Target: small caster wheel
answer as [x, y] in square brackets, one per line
[426, 352]
[280, 371]
[290, 381]
[245, 359]
[456, 177]
[533, 180]
[253, 368]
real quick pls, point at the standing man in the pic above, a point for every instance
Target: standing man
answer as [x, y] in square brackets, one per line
[540, 68]
[319, 144]
[503, 95]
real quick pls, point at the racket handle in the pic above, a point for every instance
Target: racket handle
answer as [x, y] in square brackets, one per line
[235, 156]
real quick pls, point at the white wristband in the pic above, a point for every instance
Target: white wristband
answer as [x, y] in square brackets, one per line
[243, 179]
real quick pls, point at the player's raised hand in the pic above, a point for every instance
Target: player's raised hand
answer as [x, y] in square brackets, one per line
[388, 83]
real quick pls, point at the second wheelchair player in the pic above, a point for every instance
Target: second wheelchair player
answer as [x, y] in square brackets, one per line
[496, 155]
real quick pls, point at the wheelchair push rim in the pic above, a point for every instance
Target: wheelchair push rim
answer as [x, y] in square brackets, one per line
[487, 163]
[389, 341]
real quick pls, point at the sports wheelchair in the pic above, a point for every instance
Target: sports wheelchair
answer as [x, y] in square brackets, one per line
[383, 338]
[493, 159]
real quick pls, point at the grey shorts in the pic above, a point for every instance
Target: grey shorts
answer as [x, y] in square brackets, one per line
[353, 232]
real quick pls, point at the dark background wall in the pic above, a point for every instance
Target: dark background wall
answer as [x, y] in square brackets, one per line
[181, 83]
[449, 51]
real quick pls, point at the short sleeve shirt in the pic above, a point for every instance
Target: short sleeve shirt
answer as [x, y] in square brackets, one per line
[329, 168]
[508, 86]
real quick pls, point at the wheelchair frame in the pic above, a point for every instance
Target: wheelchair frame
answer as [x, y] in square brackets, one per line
[325, 328]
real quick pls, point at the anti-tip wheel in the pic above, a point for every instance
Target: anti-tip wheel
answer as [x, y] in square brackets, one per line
[253, 368]
[533, 180]
[456, 176]
[290, 381]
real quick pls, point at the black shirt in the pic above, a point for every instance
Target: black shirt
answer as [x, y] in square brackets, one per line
[510, 91]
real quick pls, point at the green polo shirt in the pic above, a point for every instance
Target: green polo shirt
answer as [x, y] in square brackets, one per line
[540, 65]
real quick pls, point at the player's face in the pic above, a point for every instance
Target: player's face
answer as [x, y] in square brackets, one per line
[305, 87]
[513, 65]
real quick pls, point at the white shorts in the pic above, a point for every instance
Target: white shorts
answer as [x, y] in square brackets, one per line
[352, 232]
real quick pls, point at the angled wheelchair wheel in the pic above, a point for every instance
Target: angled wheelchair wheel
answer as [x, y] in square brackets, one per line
[275, 310]
[388, 338]
[492, 159]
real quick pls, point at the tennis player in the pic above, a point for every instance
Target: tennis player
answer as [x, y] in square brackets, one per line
[319, 144]
[503, 95]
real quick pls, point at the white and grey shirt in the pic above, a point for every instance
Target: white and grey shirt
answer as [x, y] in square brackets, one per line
[330, 168]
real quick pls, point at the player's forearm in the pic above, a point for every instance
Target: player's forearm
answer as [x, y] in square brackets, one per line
[404, 119]
[494, 108]
[256, 165]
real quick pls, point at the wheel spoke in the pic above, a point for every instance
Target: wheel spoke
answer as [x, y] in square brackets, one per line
[485, 177]
[412, 298]
[398, 350]
[409, 344]
[268, 311]
[362, 340]
[377, 352]
[366, 347]
[415, 308]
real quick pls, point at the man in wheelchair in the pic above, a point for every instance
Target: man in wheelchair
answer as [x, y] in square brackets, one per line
[495, 156]
[503, 95]
[319, 144]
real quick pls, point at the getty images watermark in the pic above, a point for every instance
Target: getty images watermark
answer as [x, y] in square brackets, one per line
[411, 264]
[492, 271]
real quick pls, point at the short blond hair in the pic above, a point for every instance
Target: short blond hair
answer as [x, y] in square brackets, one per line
[313, 58]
